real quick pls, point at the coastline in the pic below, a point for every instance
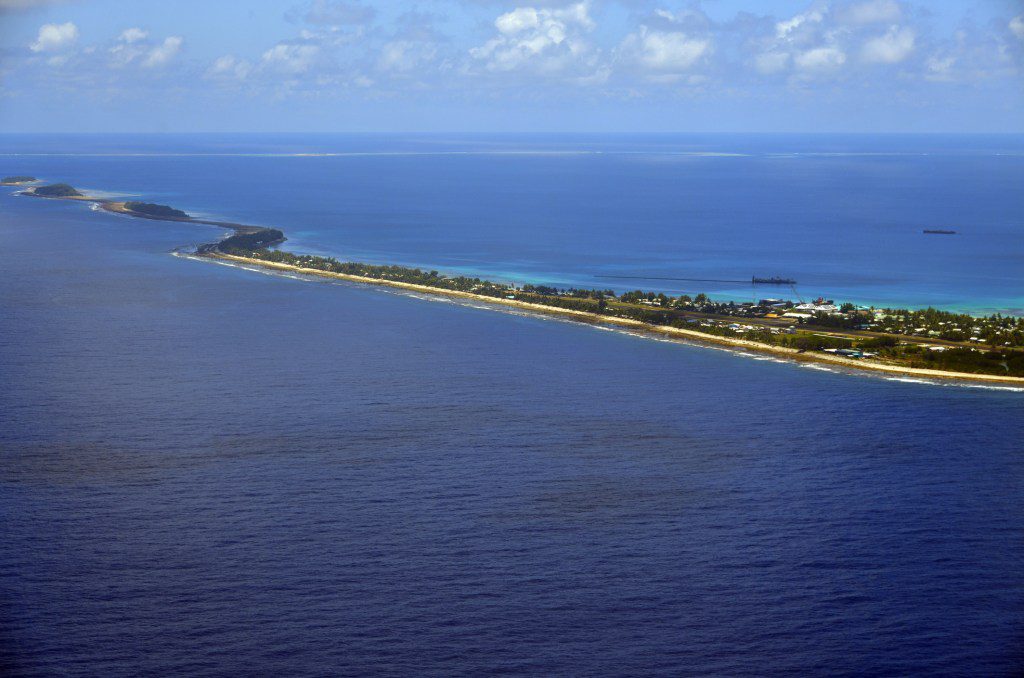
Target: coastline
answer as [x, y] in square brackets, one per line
[211, 251]
[660, 330]
[120, 207]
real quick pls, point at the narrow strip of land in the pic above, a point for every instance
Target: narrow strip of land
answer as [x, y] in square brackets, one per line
[593, 318]
[818, 341]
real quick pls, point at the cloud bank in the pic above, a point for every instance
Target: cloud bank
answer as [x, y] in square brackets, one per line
[486, 51]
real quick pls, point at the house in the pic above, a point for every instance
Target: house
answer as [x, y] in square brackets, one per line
[817, 308]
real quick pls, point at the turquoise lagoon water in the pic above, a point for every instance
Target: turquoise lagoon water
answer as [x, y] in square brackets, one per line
[841, 215]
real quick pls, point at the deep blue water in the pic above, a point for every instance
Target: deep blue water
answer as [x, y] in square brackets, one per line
[841, 215]
[209, 471]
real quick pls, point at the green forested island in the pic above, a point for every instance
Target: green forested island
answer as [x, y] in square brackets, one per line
[17, 179]
[152, 209]
[57, 191]
[246, 241]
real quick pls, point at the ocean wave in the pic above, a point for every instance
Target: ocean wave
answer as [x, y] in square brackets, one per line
[956, 384]
[820, 368]
[637, 333]
[988, 387]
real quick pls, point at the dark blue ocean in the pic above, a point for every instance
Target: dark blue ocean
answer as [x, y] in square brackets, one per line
[841, 215]
[211, 471]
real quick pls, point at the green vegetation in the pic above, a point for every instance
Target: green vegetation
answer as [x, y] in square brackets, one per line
[974, 361]
[152, 209]
[57, 191]
[236, 245]
[241, 244]
[993, 330]
[753, 322]
[928, 338]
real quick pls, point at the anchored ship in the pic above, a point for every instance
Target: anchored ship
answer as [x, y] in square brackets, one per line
[773, 281]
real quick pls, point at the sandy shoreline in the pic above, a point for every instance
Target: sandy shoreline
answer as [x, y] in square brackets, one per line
[119, 207]
[115, 206]
[661, 330]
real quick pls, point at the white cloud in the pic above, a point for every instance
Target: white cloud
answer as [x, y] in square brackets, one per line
[578, 13]
[130, 45]
[1017, 26]
[820, 59]
[940, 69]
[229, 66]
[164, 52]
[891, 48]
[290, 58]
[54, 37]
[222, 65]
[785, 29]
[519, 19]
[819, 40]
[672, 51]
[534, 44]
[133, 35]
[872, 12]
[548, 39]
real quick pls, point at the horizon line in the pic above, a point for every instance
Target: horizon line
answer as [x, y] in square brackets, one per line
[520, 133]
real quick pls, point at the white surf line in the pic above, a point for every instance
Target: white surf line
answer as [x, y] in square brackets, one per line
[639, 333]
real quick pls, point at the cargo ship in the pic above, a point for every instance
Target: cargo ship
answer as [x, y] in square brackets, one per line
[939, 231]
[773, 281]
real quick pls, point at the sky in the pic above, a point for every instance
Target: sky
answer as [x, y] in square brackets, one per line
[512, 66]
